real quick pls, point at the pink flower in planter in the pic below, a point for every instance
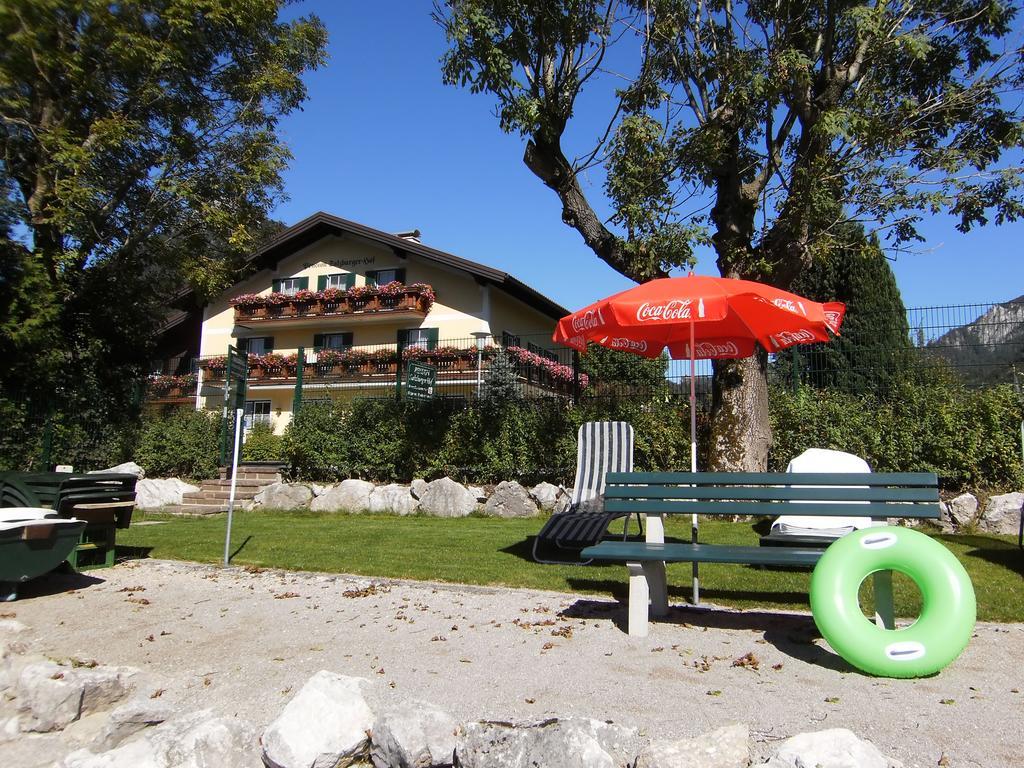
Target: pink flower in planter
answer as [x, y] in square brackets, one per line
[277, 299]
[249, 301]
[304, 295]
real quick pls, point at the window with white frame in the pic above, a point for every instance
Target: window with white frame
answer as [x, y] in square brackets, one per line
[256, 345]
[385, 276]
[333, 340]
[342, 281]
[289, 285]
[419, 337]
[256, 412]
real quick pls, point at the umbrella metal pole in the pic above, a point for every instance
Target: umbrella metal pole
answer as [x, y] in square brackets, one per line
[693, 453]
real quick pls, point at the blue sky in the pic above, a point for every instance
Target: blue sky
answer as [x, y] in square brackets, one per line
[383, 142]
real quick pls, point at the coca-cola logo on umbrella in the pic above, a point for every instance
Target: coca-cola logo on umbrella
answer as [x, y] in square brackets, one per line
[790, 306]
[711, 350]
[832, 319]
[631, 345]
[789, 338]
[676, 309]
[589, 319]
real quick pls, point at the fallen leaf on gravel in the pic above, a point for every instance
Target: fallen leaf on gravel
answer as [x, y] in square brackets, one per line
[531, 701]
[944, 760]
[439, 639]
[157, 693]
[747, 660]
[777, 667]
[373, 589]
[832, 700]
[947, 701]
[137, 600]
[713, 693]
[466, 661]
[565, 632]
[8, 615]
[547, 646]
[285, 595]
[132, 589]
[207, 681]
[164, 633]
[87, 663]
[659, 649]
[149, 638]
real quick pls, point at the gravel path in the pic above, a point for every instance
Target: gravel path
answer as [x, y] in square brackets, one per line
[243, 641]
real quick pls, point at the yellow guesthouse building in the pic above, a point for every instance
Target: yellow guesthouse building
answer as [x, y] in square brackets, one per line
[337, 309]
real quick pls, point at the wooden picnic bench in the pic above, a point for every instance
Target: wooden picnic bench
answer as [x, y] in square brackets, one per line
[880, 496]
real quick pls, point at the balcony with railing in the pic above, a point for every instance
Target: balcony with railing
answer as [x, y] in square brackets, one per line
[387, 302]
[460, 369]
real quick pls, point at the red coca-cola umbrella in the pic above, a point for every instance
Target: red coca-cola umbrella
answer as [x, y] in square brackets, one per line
[699, 317]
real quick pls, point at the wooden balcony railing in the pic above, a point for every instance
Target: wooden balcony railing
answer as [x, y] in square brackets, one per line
[387, 299]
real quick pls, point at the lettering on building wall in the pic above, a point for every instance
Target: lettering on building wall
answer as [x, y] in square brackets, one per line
[342, 263]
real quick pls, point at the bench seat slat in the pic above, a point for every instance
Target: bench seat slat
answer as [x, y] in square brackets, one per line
[774, 493]
[629, 551]
[876, 509]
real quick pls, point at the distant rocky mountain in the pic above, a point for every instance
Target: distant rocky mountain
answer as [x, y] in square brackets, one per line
[985, 350]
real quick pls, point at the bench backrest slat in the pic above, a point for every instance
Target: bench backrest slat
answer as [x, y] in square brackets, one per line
[773, 493]
[880, 494]
[872, 479]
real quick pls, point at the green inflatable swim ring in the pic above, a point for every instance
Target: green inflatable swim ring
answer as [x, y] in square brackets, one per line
[948, 605]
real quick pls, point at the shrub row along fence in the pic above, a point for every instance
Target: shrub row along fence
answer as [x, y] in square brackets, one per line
[943, 398]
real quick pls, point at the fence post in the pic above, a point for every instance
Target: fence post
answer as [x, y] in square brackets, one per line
[399, 345]
[795, 360]
[300, 363]
[575, 377]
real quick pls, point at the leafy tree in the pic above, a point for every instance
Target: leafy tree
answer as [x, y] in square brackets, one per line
[755, 127]
[130, 133]
[613, 368]
[874, 349]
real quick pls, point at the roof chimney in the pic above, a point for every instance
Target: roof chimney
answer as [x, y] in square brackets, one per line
[412, 234]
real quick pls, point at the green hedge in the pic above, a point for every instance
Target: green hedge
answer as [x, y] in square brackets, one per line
[182, 443]
[969, 437]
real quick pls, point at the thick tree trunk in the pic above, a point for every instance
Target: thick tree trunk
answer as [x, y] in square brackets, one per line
[740, 431]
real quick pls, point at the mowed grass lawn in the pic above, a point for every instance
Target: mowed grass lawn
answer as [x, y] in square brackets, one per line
[493, 551]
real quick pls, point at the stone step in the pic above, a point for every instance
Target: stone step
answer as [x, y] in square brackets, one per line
[239, 483]
[224, 494]
[193, 510]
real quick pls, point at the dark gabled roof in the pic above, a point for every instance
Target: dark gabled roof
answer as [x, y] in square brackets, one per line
[321, 224]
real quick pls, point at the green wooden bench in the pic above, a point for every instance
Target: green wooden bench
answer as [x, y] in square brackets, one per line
[880, 496]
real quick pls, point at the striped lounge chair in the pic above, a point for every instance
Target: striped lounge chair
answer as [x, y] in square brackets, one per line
[602, 447]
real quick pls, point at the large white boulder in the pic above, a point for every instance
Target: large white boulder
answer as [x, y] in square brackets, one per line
[128, 468]
[1002, 513]
[284, 496]
[546, 495]
[413, 735]
[325, 725]
[832, 748]
[393, 499]
[962, 510]
[153, 493]
[418, 487]
[349, 496]
[197, 740]
[570, 743]
[726, 747]
[447, 498]
[53, 696]
[510, 499]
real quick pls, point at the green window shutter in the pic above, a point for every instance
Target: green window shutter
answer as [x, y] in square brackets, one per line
[400, 275]
[242, 345]
[303, 283]
[403, 337]
[321, 282]
[346, 339]
[318, 341]
[431, 338]
[268, 343]
[371, 277]
[275, 286]
[350, 280]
